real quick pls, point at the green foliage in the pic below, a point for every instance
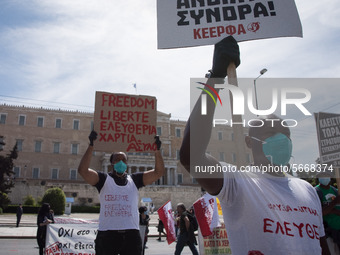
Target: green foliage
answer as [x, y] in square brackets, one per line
[6, 172]
[28, 209]
[4, 200]
[39, 201]
[29, 200]
[57, 200]
[85, 209]
[1, 211]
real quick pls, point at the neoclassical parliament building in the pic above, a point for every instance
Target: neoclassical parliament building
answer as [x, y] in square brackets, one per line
[52, 142]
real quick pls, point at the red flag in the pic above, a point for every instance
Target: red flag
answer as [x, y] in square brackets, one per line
[165, 215]
[204, 210]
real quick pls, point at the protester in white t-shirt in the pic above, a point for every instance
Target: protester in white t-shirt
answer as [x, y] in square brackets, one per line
[118, 231]
[264, 213]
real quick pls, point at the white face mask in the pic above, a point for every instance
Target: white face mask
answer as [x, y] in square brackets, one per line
[325, 181]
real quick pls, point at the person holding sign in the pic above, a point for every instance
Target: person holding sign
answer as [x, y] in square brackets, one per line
[118, 231]
[265, 212]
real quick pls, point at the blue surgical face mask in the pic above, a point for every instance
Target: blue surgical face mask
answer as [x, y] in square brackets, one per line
[277, 149]
[120, 167]
[325, 181]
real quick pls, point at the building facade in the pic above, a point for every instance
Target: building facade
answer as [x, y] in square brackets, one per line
[52, 142]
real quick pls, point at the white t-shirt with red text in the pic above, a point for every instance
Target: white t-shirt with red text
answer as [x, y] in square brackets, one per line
[271, 215]
[118, 206]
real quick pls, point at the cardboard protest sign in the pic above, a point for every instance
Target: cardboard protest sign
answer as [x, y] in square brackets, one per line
[125, 122]
[185, 23]
[328, 130]
[69, 238]
[217, 243]
[165, 215]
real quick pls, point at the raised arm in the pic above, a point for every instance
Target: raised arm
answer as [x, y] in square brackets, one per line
[198, 130]
[89, 175]
[153, 175]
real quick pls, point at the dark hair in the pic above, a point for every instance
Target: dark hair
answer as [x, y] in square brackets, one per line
[44, 209]
[114, 154]
[142, 209]
[181, 205]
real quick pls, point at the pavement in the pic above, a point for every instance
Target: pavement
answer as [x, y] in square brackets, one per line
[28, 228]
[28, 224]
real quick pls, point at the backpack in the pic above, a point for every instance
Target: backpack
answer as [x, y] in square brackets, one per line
[193, 221]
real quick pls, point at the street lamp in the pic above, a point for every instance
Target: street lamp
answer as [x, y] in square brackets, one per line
[261, 73]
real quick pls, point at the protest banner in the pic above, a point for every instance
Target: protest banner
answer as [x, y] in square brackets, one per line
[71, 238]
[206, 214]
[328, 130]
[216, 243]
[165, 215]
[125, 122]
[185, 23]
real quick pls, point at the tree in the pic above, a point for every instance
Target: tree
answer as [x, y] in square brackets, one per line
[6, 172]
[57, 200]
[29, 200]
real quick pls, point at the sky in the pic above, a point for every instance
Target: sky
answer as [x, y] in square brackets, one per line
[58, 53]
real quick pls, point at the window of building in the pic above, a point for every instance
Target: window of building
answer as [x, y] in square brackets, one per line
[22, 120]
[57, 123]
[194, 181]
[233, 157]
[220, 135]
[178, 132]
[177, 155]
[179, 178]
[3, 118]
[2, 143]
[56, 147]
[73, 174]
[74, 148]
[159, 131]
[55, 173]
[35, 173]
[37, 147]
[232, 136]
[19, 144]
[76, 124]
[40, 122]
[16, 171]
[221, 156]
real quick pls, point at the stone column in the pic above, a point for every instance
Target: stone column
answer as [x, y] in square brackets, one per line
[176, 179]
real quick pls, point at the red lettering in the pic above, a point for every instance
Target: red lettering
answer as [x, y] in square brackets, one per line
[287, 228]
[230, 30]
[205, 33]
[102, 137]
[279, 227]
[265, 221]
[212, 31]
[220, 30]
[317, 236]
[299, 227]
[310, 231]
[241, 29]
[102, 115]
[102, 126]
